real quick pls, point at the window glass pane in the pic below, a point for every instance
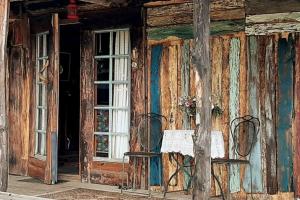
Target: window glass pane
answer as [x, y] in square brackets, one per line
[102, 69]
[101, 145]
[120, 145]
[102, 121]
[120, 123]
[102, 43]
[120, 69]
[102, 94]
[120, 43]
[120, 95]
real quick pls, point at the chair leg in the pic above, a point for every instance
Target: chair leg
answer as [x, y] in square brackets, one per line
[122, 175]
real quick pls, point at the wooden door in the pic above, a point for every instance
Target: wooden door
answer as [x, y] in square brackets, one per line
[44, 103]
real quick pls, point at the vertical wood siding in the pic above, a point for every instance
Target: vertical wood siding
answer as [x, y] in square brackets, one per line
[269, 103]
[296, 128]
[253, 178]
[246, 78]
[234, 68]
[155, 107]
[285, 110]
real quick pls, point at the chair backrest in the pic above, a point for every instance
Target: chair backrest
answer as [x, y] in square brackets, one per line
[150, 131]
[244, 131]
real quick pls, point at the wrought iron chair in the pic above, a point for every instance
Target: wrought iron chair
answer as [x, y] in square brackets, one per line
[149, 136]
[244, 131]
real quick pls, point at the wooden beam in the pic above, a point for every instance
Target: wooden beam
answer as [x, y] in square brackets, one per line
[108, 3]
[4, 13]
[202, 139]
[272, 23]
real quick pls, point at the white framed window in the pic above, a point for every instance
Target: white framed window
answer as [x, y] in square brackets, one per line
[42, 62]
[112, 94]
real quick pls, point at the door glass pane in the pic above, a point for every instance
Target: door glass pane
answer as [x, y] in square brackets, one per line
[102, 43]
[40, 46]
[102, 94]
[102, 69]
[40, 96]
[40, 119]
[101, 145]
[102, 121]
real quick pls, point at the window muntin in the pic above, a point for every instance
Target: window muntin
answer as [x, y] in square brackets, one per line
[42, 63]
[112, 92]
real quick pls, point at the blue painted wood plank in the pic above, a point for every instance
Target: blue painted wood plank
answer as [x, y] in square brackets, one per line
[286, 57]
[234, 64]
[254, 177]
[155, 107]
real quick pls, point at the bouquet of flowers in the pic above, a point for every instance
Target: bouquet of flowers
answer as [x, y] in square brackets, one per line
[188, 105]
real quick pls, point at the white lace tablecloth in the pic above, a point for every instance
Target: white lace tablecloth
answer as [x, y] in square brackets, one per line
[181, 141]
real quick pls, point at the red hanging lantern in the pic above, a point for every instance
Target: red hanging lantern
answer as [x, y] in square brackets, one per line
[72, 10]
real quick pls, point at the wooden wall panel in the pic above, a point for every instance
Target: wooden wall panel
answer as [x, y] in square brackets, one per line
[269, 103]
[296, 125]
[253, 179]
[155, 107]
[234, 70]
[86, 105]
[285, 111]
[19, 97]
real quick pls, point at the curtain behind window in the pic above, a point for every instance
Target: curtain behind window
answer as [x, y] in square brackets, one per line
[119, 143]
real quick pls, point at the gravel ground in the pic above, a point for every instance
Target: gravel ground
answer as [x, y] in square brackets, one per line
[87, 194]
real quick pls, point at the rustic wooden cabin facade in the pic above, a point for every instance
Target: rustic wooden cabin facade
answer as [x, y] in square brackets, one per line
[66, 94]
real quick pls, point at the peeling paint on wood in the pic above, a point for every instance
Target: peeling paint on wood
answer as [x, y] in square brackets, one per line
[155, 107]
[296, 125]
[285, 111]
[271, 156]
[253, 179]
[234, 64]
[186, 31]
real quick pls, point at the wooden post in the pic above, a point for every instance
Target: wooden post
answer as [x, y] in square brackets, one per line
[4, 12]
[202, 134]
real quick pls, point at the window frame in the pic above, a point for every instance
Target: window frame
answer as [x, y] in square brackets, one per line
[111, 83]
[43, 108]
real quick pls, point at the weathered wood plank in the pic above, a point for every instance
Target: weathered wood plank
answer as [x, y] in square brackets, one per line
[243, 90]
[52, 98]
[296, 123]
[259, 6]
[270, 136]
[216, 64]
[185, 91]
[183, 14]
[253, 179]
[234, 69]
[86, 105]
[272, 23]
[155, 107]
[186, 31]
[165, 103]
[215, 4]
[285, 111]
[261, 99]
[4, 15]
[201, 138]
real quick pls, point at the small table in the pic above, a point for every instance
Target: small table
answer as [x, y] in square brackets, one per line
[181, 141]
[178, 141]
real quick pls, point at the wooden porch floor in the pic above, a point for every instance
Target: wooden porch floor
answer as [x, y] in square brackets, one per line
[32, 187]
